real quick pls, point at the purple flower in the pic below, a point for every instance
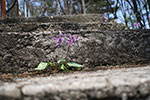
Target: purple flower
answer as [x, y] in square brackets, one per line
[134, 24]
[139, 24]
[104, 17]
[115, 20]
[72, 40]
[60, 39]
[105, 21]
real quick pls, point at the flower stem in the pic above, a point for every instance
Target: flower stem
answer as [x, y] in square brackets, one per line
[66, 57]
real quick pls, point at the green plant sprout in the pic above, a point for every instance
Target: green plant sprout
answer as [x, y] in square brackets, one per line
[62, 64]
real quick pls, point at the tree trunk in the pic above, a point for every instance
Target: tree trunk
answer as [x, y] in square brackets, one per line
[83, 7]
[12, 8]
[66, 7]
[57, 9]
[27, 12]
[62, 9]
[147, 11]
[3, 9]
[137, 14]
[148, 4]
[79, 7]
[71, 7]
[18, 8]
[25, 8]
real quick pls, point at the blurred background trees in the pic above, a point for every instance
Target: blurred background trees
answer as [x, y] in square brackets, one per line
[133, 13]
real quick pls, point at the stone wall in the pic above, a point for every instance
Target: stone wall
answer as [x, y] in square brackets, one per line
[64, 22]
[22, 51]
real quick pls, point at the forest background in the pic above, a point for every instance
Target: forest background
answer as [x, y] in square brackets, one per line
[134, 14]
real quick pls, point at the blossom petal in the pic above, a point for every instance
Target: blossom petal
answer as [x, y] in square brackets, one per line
[115, 20]
[56, 39]
[134, 24]
[64, 36]
[77, 38]
[71, 37]
[69, 43]
[62, 39]
[105, 21]
[139, 24]
[60, 34]
[57, 44]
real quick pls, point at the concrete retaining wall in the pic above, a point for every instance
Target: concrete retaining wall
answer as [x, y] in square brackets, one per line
[22, 51]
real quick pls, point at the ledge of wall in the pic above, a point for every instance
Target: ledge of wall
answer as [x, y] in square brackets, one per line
[55, 23]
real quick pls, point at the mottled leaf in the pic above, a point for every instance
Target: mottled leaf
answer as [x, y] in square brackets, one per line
[42, 66]
[64, 68]
[51, 64]
[71, 64]
[61, 61]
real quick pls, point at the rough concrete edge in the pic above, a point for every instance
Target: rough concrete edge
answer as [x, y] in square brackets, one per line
[91, 92]
[46, 18]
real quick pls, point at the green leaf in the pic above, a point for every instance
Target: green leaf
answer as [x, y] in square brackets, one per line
[51, 64]
[42, 66]
[71, 64]
[61, 61]
[64, 68]
[67, 70]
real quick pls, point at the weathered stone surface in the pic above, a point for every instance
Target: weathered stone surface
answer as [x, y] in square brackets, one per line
[55, 26]
[63, 18]
[24, 51]
[10, 91]
[121, 84]
[67, 22]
